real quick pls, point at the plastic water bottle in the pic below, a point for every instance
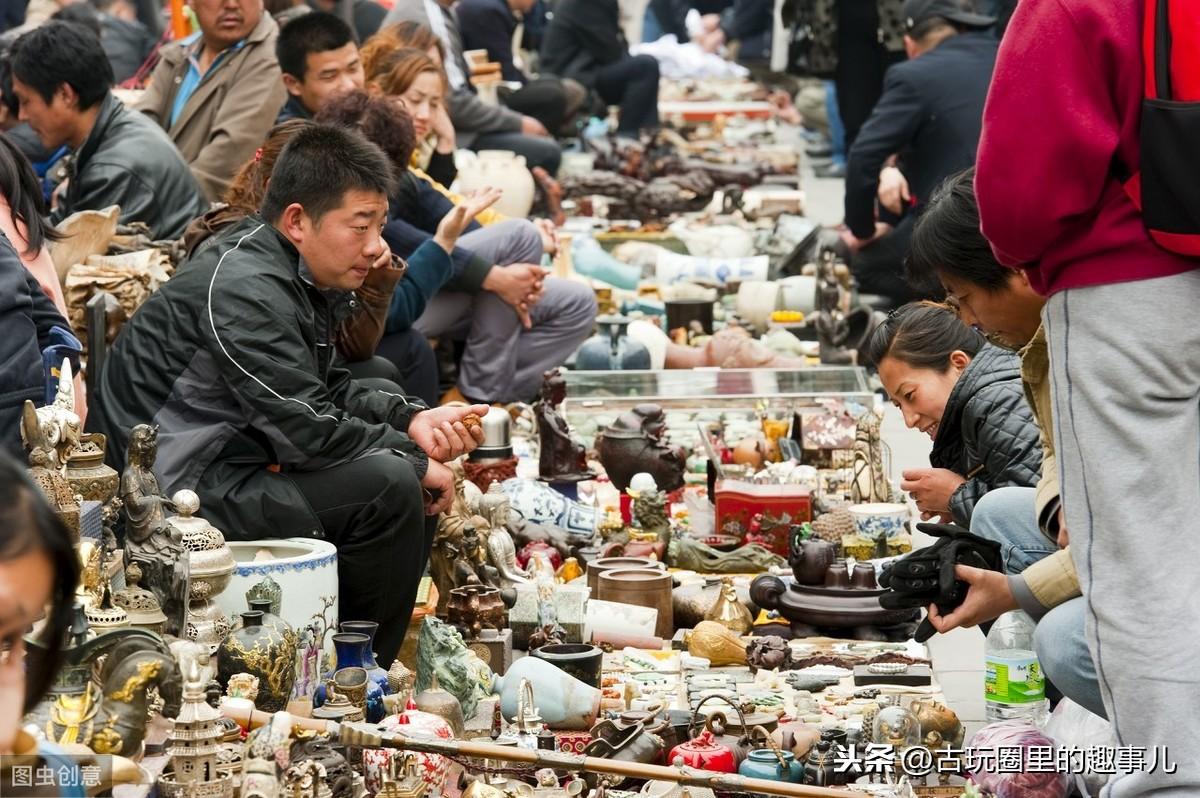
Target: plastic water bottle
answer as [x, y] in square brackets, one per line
[1013, 684]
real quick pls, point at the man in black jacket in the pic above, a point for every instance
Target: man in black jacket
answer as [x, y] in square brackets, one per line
[233, 360]
[584, 42]
[61, 78]
[927, 121]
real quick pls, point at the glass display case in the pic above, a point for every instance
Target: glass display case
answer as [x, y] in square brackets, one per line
[772, 390]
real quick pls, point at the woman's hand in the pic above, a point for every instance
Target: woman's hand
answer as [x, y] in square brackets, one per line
[461, 215]
[441, 433]
[988, 597]
[443, 128]
[931, 488]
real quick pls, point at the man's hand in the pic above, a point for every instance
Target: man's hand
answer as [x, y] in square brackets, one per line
[441, 433]
[854, 243]
[438, 483]
[443, 128]
[711, 41]
[988, 597]
[931, 488]
[549, 236]
[1064, 539]
[461, 215]
[519, 284]
[532, 127]
[893, 190]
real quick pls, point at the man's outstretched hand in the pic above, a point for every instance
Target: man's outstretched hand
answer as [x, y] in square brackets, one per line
[441, 433]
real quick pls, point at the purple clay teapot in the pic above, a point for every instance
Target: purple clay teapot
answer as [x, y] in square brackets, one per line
[810, 559]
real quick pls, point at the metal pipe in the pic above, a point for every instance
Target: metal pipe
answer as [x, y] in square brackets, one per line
[370, 736]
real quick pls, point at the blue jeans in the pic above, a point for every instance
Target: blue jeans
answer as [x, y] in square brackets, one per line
[837, 131]
[1007, 516]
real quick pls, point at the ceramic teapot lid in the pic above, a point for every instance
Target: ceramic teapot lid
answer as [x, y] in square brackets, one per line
[704, 742]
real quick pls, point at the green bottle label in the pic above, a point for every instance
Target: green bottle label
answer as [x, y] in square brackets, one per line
[1014, 679]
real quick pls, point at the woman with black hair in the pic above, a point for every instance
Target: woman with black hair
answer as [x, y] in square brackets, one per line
[38, 575]
[966, 395]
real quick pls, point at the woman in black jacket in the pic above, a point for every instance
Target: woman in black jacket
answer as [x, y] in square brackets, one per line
[966, 395]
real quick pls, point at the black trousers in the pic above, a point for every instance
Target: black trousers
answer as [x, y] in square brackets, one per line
[861, 64]
[631, 83]
[371, 509]
[544, 99]
[879, 267]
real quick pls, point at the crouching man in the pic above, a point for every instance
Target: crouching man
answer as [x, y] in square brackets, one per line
[233, 360]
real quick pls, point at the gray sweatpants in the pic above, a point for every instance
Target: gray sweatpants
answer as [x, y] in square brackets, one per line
[503, 361]
[1125, 363]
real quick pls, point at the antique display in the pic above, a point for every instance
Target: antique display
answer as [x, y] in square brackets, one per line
[717, 644]
[773, 508]
[602, 564]
[474, 607]
[729, 611]
[140, 605]
[545, 514]
[339, 778]
[437, 701]
[86, 472]
[493, 461]
[193, 747]
[772, 763]
[768, 653]
[376, 672]
[564, 702]
[691, 601]
[692, 555]
[264, 652]
[352, 652]
[149, 539]
[643, 587]
[441, 650]
[611, 348]
[846, 607]
[578, 659]
[560, 458]
[635, 444]
[650, 513]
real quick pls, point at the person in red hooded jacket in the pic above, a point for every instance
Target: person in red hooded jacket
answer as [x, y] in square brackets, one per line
[1060, 138]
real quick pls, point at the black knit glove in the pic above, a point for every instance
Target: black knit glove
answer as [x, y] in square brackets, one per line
[926, 576]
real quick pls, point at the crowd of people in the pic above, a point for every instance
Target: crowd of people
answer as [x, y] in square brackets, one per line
[995, 197]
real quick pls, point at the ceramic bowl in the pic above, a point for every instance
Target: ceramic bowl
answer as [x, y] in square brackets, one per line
[872, 519]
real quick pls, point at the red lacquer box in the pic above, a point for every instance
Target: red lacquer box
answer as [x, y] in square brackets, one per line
[780, 506]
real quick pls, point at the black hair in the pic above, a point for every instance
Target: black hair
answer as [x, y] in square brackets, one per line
[925, 27]
[63, 52]
[316, 32]
[923, 335]
[82, 14]
[947, 240]
[6, 90]
[20, 188]
[319, 165]
[27, 523]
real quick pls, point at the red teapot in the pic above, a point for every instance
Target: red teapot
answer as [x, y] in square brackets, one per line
[705, 753]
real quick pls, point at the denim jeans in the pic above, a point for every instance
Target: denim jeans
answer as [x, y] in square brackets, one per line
[837, 132]
[1007, 516]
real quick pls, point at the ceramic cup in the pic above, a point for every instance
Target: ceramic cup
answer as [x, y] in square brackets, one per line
[872, 519]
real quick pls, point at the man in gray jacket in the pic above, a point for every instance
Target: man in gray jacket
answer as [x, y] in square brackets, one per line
[61, 77]
[478, 125]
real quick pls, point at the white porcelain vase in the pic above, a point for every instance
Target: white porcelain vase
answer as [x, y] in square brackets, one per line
[497, 169]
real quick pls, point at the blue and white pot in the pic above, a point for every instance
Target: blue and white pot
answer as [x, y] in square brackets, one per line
[871, 519]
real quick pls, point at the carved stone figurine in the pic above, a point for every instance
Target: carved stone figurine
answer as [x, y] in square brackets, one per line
[441, 650]
[692, 555]
[149, 539]
[560, 458]
[650, 511]
[870, 478]
[833, 329]
[338, 775]
[634, 443]
[55, 426]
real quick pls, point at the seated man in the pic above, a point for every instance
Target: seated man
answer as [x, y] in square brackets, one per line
[1027, 522]
[232, 359]
[930, 115]
[319, 58]
[490, 25]
[478, 125]
[584, 42]
[217, 92]
[61, 77]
